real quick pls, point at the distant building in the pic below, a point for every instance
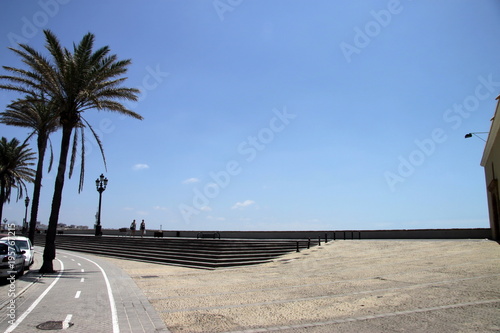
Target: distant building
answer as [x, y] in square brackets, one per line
[491, 164]
[41, 226]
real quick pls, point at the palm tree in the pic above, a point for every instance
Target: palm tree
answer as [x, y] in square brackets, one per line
[15, 162]
[39, 115]
[75, 82]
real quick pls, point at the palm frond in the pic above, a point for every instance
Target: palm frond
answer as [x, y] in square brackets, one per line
[71, 82]
[15, 171]
[73, 153]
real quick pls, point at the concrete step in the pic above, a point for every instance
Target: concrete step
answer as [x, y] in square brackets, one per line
[175, 242]
[174, 255]
[194, 253]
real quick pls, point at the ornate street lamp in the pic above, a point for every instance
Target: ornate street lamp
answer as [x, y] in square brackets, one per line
[25, 225]
[100, 184]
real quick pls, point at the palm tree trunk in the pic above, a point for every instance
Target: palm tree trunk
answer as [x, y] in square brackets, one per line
[42, 145]
[49, 252]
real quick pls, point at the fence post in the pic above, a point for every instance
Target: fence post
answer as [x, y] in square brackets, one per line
[319, 240]
[334, 236]
[298, 246]
[326, 237]
[309, 243]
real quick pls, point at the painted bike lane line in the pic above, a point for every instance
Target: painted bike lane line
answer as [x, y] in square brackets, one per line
[90, 293]
[112, 303]
[78, 293]
[131, 311]
[21, 318]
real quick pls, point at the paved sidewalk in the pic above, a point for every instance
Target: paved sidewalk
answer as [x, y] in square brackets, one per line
[76, 298]
[135, 312]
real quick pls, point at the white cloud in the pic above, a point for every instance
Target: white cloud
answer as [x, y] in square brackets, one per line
[160, 208]
[191, 181]
[216, 218]
[206, 209]
[140, 166]
[243, 204]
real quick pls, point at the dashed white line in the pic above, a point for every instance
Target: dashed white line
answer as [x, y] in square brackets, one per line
[38, 300]
[78, 294]
[114, 315]
[82, 270]
[82, 280]
[79, 264]
[65, 323]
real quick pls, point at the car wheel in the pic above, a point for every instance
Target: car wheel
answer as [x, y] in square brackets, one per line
[21, 271]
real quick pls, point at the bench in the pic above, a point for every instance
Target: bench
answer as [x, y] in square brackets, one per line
[123, 231]
[213, 235]
[158, 234]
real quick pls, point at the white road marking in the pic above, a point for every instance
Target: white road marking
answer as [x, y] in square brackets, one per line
[35, 303]
[83, 271]
[112, 304]
[78, 294]
[65, 323]
[79, 264]
[82, 280]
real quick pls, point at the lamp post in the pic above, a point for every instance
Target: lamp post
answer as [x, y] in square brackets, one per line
[25, 225]
[100, 184]
[469, 135]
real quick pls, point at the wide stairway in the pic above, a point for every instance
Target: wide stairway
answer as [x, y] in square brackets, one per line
[187, 252]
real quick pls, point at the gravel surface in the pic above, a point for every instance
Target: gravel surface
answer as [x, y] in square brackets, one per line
[341, 286]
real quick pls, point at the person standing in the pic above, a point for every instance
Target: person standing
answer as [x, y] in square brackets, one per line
[132, 228]
[143, 228]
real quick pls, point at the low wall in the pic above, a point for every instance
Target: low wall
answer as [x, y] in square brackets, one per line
[473, 233]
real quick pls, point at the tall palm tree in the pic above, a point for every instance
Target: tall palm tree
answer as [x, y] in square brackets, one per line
[15, 162]
[75, 82]
[37, 114]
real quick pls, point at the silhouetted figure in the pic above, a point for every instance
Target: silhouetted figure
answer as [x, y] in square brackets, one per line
[132, 228]
[143, 228]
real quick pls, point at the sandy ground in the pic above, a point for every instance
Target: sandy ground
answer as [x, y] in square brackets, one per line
[341, 286]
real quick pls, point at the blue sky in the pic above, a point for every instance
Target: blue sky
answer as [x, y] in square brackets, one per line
[280, 115]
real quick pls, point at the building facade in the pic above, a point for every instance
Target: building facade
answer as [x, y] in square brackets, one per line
[491, 164]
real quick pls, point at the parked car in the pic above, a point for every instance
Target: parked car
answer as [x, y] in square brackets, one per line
[11, 259]
[24, 244]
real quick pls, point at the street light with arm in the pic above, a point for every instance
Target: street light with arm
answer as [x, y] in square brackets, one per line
[469, 135]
